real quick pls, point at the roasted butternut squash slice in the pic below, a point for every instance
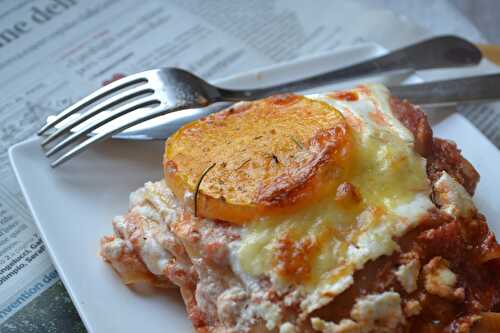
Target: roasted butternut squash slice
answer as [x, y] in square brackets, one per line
[258, 158]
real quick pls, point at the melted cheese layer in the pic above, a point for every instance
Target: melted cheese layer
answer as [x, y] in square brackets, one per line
[384, 192]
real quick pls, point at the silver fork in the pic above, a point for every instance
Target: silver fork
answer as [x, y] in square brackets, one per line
[169, 90]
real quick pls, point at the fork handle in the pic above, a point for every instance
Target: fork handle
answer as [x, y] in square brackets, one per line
[446, 92]
[438, 52]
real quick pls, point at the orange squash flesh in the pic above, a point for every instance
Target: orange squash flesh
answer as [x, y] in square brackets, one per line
[270, 156]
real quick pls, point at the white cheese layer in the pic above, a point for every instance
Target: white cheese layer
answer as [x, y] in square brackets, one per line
[152, 208]
[452, 197]
[321, 246]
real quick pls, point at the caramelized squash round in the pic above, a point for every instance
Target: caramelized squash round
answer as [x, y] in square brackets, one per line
[258, 158]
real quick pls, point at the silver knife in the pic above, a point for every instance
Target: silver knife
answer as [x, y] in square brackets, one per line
[472, 89]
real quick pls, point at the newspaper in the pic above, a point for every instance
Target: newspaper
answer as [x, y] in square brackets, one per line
[53, 52]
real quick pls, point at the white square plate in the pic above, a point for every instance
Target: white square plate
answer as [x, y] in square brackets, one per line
[73, 204]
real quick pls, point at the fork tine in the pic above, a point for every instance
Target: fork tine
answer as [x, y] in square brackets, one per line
[143, 102]
[96, 95]
[156, 112]
[127, 94]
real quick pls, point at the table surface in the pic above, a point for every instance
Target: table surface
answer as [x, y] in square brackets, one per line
[53, 311]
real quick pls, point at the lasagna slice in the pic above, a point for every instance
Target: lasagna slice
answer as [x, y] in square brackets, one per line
[335, 212]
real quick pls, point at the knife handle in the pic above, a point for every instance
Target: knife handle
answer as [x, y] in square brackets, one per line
[490, 52]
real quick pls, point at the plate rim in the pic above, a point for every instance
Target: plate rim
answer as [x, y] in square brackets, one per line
[12, 152]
